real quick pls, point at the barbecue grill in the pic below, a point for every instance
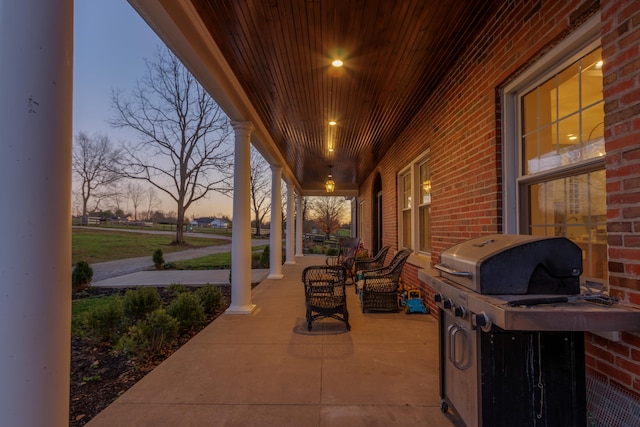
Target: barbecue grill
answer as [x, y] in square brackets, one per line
[511, 325]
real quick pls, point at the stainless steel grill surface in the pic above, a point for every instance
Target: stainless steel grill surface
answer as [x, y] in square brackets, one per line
[514, 264]
[511, 324]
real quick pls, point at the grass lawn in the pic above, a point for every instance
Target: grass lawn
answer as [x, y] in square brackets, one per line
[84, 305]
[210, 262]
[107, 245]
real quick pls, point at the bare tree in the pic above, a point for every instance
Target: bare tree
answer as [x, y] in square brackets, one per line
[153, 202]
[260, 188]
[184, 146]
[328, 212]
[136, 193]
[94, 163]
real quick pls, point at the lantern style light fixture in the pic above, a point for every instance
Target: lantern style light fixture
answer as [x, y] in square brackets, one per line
[330, 184]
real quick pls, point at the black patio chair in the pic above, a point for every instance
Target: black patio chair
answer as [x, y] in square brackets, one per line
[346, 255]
[372, 263]
[378, 289]
[324, 293]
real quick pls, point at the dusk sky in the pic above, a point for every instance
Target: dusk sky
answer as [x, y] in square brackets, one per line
[111, 42]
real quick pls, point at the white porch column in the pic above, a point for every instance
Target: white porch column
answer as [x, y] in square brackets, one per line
[275, 238]
[354, 218]
[36, 83]
[241, 228]
[290, 226]
[299, 220]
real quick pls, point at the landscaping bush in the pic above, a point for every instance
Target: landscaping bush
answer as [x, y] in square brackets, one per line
[210, 297]
[332, 252]
[158, 259]
[187, 310]
[105, 323]
[81, 276]
[266, 256]
[141, 301]
[177, 289]
[152, 335]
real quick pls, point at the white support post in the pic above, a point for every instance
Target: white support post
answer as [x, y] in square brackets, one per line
[275, 239]
[36, 52]
[241, 227]
[290, 226]
[299, 220]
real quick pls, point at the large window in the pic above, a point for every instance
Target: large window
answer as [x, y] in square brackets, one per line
[561, 178]
[405, 207]
[415, 206]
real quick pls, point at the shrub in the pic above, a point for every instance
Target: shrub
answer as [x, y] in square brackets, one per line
[210, 297]
[152, 335]
[158, 259]
[256, 260]
[176, 289]
[141, 301]
[104, 323]
[266, 256]
[81, 276]
[187, 310]
[332, 252]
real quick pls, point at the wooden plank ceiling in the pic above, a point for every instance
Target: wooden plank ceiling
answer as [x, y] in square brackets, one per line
[394, 54]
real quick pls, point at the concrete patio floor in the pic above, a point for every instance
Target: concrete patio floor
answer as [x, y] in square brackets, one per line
[266, 369]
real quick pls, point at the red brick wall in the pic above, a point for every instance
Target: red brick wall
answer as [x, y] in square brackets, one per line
[620, 361]
[461, 125]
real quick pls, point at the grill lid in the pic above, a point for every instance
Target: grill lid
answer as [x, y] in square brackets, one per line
[514, 264]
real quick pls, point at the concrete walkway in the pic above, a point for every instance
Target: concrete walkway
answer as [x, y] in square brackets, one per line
[109, 269]
[266, 369]
[183, 277]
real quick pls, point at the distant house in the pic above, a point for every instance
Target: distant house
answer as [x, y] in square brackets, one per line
[219, 223]
[209, 222]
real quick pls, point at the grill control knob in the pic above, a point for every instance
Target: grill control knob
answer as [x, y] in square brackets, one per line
[437, 297]
[482, 321]
[448, 303]
[460, 312]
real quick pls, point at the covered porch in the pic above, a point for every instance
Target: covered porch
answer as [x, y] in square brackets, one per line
[267, 369]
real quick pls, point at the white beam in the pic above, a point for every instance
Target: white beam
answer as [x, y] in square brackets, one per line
[275, 253]
[299, 220]
[290, 226]
[36, 83]
[241, 228]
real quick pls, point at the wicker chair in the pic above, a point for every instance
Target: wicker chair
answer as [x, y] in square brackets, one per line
[324, 293]
[346, 255]
[378, 289]
[377, 261]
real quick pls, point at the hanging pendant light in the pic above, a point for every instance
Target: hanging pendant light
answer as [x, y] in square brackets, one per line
[330, 184]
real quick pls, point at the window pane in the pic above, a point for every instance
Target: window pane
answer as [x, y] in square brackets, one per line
[573, 207]
[569, 139]
[568, 91]
[530, 116]
[593, 131]
[547, 104]
[425, 228]
[406, 228]
[425, 184]
[592, 78]
[406, 191]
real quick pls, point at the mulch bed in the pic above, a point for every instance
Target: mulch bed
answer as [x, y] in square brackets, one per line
[99, 374]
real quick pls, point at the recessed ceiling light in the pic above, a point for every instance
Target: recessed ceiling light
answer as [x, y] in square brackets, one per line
[337, 63]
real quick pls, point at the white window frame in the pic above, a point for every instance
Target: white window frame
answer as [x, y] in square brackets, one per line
[360, 220]
[413, 170]
[582, 41]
